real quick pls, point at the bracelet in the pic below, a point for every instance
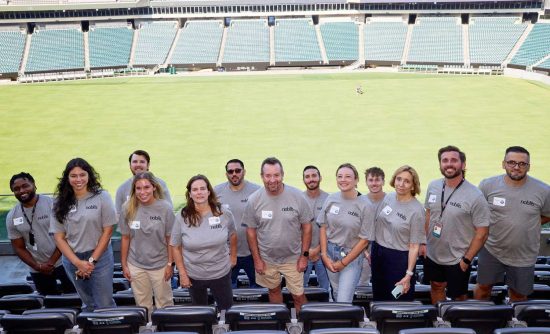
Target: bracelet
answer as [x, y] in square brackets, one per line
[342, 262]
[466, 260]
[409, 273]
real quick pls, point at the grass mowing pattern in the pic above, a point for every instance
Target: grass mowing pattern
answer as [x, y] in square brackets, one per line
[193, 125]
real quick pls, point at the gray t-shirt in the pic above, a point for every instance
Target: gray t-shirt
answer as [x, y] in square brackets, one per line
[235, 201]
[148, 231]
[465, 210]
[205, 247]
[18, 227]
[347, 220]
[123, 193]
[514, 233]
[400, 223]
[278, 222]
[376, 205]
[84, 223]
[316, 205]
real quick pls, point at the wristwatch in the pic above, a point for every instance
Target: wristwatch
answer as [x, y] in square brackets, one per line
[92, 260]
[306, 253]
[466, 260]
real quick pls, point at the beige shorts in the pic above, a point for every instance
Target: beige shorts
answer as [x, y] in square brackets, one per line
[272, 277]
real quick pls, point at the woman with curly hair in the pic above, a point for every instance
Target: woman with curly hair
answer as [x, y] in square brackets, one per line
[82, 223]
[204, 245]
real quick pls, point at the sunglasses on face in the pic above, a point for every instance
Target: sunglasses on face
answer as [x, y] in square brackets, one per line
[234, 171]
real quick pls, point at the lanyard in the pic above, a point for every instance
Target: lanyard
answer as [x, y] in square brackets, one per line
[444, 205]
[33, 210]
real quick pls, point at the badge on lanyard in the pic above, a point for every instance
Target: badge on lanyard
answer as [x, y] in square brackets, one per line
[436, 232]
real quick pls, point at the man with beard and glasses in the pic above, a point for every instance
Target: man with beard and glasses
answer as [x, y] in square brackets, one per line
[139, 162]
[278, 221]
[519, 204]
[233, 195]
[457, 225]
[28, 223]
[315, 197]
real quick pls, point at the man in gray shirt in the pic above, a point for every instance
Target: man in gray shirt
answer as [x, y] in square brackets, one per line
[457, 225]
[27, 224]
[315, 197]
[278, 221]
[519, 204]
[139, 162]
[233, 195]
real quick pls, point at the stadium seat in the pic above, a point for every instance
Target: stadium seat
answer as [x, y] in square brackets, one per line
[124, 298]
[345, 331]
[481, 317]
[242, 296]
[391, 317]
[42, 323]
[422, 293]
[257, 316]
[330, 315]
[19, 303]
[112, 320]
[182, 297]
[340, 40]
[442, 306]
[15, 289]
[120, 284]
[185, 318]
[533, 312]
[259, 331]
[528, 330]
[385, 41]
[313, 294]
[362, 297]
[431, 330]
[540, 291]
[70, 300]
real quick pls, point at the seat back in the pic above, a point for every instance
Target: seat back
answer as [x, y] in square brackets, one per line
[345, 331]
[363, 297]
[533, 312]
[120, 284]
[257, 316]
[42, 323]
[19, 303]
[484, 319]
[528, 330]
[141, 310]
[247, 296]
[15, 289]
[312, 295]
[391, 317]
[443, 305]
[69, 300]
[540, 291]
[432, 330]
[422, 293]
[330, 315]
[185, 318]
[182, 297]
[70, 313]
[111, 321]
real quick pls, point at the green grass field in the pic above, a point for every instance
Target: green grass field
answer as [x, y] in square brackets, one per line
[194, 125]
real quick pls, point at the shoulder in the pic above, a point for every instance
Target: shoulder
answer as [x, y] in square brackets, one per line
[536, 183]
[490, 181]
[123, 187]
[252, 186]
[435, 184]
[220, 187]
[9, 216]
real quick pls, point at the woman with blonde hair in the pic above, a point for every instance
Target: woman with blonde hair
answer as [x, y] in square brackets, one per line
[145, 224]
[204, 245]
[399, 231]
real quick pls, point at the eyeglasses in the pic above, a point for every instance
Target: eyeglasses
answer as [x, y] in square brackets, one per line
[234, 171]
[520, 164]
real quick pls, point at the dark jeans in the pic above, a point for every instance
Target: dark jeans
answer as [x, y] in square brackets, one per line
[246, 263]
[47, 284]
[389, 267]
[219, 287]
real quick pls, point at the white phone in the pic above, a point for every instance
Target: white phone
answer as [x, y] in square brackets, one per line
[397, 291]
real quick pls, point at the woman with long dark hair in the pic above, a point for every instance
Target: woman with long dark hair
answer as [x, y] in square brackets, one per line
[82, 223]
[204, 245]
[146, 222]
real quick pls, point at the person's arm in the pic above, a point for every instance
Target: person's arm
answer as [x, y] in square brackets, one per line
[481, 235]
[252, 238]
[422, 251]
[233, 249]
[306, 242]
[352, 255]
[177, 254]
[169, 270]
[83, 266]
[544, 220]
[124, 248]
[53, 258]
[21, 251]
[314, 253]
[411, 263]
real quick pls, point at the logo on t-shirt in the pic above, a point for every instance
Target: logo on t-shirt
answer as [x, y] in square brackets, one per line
[353, 213]
[91, 207]
[528, 202]
[287, 209]
[402, 216]
[456, 204]
[155, 218]
[43, 217]
[244, 200]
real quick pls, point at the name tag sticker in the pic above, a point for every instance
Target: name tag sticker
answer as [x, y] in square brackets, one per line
[225, 206]
[72, 209]
[135, 225]
[267, 214]
[213, 221]
[334, 209]
[432, 198]
[387, 210]
[34, 247]
[437, 230]
[499, 201]
[18, 221]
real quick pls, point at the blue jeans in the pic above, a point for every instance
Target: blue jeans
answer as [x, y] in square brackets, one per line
[246, 263]
[97, 291]
[321, 273]
[344, 282]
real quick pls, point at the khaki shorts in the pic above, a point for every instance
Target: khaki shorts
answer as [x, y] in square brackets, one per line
[272, 277]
